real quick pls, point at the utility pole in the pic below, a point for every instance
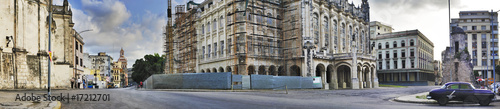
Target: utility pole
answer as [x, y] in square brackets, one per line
[449, 33]
[50, 52]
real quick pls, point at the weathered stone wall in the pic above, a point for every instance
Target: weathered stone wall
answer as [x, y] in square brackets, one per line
[457, 64]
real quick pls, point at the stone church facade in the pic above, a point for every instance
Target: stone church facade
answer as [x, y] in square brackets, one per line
[309, 38]
[24, 44]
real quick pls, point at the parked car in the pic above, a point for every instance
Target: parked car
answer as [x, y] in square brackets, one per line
[461, 91]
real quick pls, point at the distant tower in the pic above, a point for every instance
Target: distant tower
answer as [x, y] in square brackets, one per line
[122, 53]
[366, 10]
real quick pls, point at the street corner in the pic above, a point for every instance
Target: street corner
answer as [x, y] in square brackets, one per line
[415, 98]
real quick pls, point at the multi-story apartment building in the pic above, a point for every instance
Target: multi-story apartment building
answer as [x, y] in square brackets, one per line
[101, 64]
[481, 28]
[78, 58]
[377, 28]
[405, 58]
[319, 38]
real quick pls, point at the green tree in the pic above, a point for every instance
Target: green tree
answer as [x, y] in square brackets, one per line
[147, 66]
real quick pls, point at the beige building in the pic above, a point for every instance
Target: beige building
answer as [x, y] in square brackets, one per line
[378, 28]
[24, 50]
[287, 38]
[405, 58]
[481, 28]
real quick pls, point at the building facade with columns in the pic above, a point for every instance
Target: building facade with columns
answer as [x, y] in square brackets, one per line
[309, 38]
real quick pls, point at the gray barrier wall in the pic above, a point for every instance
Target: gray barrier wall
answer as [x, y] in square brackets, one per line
[189, 81]
[225, 80]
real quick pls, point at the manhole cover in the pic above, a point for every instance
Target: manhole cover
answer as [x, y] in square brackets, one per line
[11, 104]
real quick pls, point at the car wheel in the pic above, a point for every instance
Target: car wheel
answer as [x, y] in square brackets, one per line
[442, 101]
[485, 102]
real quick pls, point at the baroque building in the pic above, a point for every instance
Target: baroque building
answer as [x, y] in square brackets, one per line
[309, 38]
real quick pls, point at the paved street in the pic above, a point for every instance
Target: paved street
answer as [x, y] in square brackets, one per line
[296, 99]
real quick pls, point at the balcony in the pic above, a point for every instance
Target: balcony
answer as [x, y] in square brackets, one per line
[494, 48]
[494, 40]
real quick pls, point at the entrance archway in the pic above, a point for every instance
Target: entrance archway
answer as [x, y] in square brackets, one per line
[208, 70]
[329, 71]
[272, 70]
[214, 70]
[295, 71]
[344, 76]
[228, 69]
[251, 70]
[262, 70]
[281, 71]
[221, 69]
[320, 69]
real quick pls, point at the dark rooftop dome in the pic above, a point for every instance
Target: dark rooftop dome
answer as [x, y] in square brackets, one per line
[457, 30]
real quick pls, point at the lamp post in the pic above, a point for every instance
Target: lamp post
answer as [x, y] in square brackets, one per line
[494, 53]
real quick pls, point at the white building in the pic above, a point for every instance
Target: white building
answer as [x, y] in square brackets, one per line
[405, 58]
[481, 28]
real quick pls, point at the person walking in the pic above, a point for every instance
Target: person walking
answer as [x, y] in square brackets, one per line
[72, 82]
[79, 82]
[140, 86]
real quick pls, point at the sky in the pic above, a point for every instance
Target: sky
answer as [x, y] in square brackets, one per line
[137, 25]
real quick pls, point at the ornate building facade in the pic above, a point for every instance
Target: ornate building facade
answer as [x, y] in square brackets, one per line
[309, 38]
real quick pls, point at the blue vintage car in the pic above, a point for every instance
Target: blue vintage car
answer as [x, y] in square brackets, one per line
[461, 91]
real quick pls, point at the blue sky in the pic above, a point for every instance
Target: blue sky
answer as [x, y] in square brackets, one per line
[137, 25]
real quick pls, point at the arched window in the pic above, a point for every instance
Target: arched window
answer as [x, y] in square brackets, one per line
[379, 46]
[395, 44]
[259, 17]
[269, 19]
[386, 44]
[326, 27]
[402, 43]
[412, 43]
[334, 24]
[203, 29]
[221, 23]
[215, 24]
[208, 27]
[249, 15]
[316, 28]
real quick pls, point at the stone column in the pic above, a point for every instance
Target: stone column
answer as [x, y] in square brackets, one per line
[334, 83]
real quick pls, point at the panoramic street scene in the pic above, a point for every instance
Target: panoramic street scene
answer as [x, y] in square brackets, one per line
[250, 54]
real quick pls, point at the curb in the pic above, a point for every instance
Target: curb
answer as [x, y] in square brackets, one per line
[58, 105]
[429, 101]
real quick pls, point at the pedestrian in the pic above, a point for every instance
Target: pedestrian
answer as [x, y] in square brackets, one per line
[140, 86]
[72, 82]
[79, 82]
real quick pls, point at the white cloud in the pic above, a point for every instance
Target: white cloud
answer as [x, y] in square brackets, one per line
[113, 29]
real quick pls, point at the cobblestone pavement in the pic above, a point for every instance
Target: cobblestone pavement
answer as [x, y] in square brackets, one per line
[257, 99]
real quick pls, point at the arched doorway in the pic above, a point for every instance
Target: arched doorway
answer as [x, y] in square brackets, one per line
[208, 70]
[366, 77]
[251, 70]
[262, 70]
[295, 71]
[272, 70]
[281, 71]
[320, 68]
[329, 71]
[202, 71]
[344, 76]
[228, 69]
[214, 70]
[221, 69]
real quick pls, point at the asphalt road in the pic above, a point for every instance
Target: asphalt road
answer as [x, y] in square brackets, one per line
[380, 98]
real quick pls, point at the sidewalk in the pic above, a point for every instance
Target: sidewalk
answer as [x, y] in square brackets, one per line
[7, 101]
[413, 99]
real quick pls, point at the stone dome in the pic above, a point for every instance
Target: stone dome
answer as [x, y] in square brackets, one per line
[457, 30]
